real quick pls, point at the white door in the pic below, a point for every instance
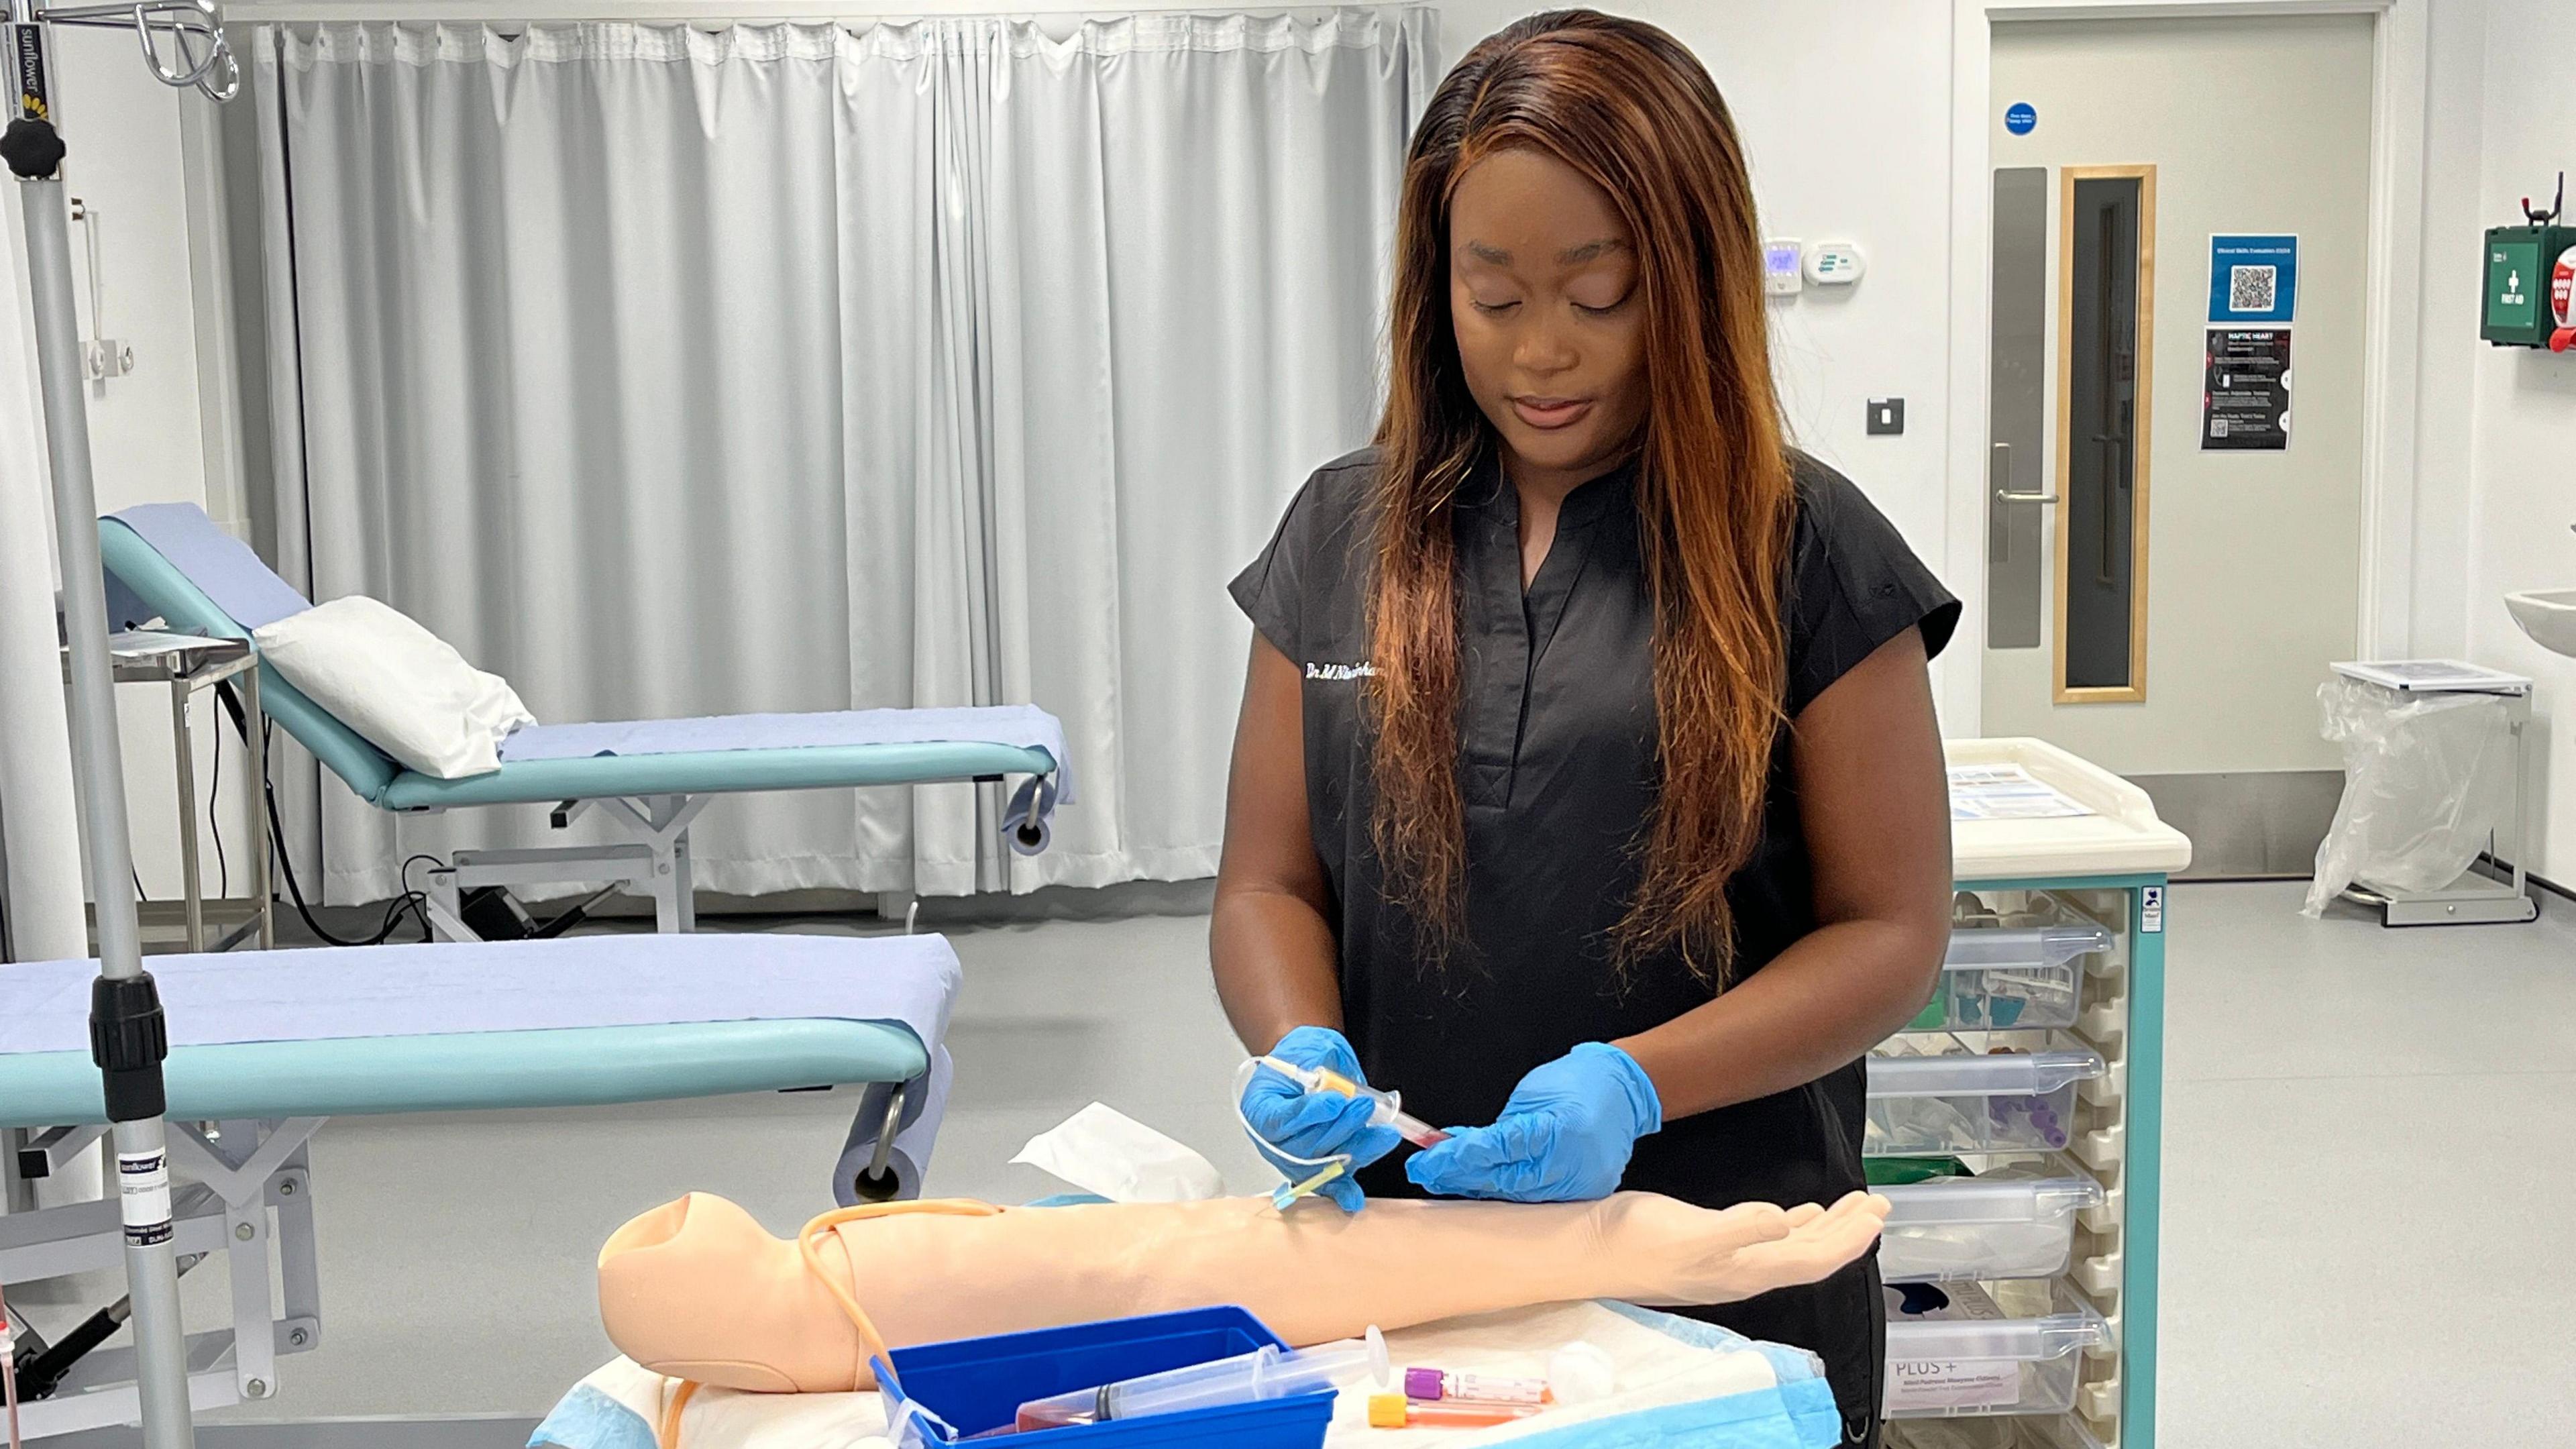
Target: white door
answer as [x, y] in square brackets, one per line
[2171, 569]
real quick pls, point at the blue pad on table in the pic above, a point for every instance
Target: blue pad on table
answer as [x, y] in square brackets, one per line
[458, 1025]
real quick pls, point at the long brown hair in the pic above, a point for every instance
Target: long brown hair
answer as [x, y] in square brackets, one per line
[1630, 108]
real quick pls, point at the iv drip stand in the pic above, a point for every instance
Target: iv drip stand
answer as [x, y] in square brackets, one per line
[127, 1036]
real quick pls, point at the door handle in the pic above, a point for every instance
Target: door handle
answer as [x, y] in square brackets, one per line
[2002, 471]
[2111, 459]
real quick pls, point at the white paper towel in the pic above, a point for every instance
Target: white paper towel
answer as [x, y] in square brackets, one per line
[1104, 1151]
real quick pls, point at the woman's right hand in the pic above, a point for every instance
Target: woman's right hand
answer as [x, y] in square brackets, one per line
[1290, 1121]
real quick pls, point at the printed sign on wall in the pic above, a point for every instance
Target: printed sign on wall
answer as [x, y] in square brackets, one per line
[2253, 278]
[2245, 399]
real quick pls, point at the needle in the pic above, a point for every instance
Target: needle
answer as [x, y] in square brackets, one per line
[1289, 1192]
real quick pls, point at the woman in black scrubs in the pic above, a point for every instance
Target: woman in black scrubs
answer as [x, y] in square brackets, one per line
[1587, 788]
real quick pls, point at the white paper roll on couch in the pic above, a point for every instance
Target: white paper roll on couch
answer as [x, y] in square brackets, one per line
[1029, 823]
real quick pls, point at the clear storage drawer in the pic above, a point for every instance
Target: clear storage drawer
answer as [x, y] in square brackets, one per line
[2011, 978]
[1988, 1348]
[1937, 1096]
[1977, 1227]
[2064, 1431]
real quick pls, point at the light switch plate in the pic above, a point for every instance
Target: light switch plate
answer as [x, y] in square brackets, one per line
[1886, 415]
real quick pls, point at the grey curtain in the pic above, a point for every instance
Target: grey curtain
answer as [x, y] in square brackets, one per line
[676, 371]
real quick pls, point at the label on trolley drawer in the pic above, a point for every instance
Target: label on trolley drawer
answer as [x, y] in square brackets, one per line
[143, 1196]
[1920, 1384]
[2151, 910]
[1968, 1383]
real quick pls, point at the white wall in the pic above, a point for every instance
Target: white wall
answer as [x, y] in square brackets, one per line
[2522, 458]
[2495, 427]
[2446, 376]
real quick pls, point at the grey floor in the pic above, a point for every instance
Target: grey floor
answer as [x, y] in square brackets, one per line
[2369, 1156]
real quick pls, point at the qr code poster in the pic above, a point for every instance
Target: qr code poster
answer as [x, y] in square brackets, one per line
[2253, 279]
[2251, 289]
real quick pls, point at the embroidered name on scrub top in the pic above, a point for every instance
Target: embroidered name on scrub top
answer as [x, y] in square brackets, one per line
[1340, 673]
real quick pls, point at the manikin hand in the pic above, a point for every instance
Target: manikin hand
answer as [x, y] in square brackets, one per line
[1684, 1256]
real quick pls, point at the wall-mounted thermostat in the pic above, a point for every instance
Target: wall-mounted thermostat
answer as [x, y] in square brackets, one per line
[1780, 260]
[1833, 263]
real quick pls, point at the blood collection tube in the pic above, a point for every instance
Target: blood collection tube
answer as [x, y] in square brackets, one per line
[1389, 1107]
[1433, 1385]
[1395, 1411]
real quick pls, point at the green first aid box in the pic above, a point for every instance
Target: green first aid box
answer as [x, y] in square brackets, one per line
[2515, 310]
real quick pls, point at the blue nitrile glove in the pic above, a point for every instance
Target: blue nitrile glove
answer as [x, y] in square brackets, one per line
[1563, 1137]
[1286, 1117]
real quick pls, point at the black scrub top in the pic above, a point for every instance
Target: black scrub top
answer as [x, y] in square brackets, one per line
[1557, 747]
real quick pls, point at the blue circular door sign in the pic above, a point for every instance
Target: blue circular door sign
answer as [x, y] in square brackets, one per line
[2021, 118]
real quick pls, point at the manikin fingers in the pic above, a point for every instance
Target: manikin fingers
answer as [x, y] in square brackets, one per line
[1835, 1236]
[1840, 1237]
[1777, 1265]
[1862, 1202]
[1757, 1222]
[1858, 1211]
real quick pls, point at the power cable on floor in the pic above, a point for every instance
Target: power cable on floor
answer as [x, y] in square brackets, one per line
[215, 822]
[409, 902]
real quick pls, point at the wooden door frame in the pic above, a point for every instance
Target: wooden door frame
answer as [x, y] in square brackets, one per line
[2392, 310]
[2135, 691]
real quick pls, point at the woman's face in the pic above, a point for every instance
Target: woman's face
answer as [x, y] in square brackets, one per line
[1543, 296]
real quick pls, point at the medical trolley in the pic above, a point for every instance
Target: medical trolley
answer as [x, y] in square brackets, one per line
[2015, 1124]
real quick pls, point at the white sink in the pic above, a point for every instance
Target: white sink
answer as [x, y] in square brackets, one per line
[2548, 616]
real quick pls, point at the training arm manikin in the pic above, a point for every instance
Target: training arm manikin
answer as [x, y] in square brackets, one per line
[699, 1290]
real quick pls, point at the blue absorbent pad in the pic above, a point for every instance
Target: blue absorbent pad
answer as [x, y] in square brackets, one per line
[588, 1418]
[1793, 1416]
[1779, 1400]
[524, 1017]
[450, 987]
[1022, 725]
[220, 565]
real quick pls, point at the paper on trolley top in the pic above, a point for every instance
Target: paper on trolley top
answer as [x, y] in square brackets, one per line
[2007, 792]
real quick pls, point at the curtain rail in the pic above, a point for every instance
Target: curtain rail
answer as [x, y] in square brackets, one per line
[713, 12]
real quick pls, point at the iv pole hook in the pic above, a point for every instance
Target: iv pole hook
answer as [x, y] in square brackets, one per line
[186, 22]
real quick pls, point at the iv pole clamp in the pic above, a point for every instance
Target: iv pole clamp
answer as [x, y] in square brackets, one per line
[127, 1036]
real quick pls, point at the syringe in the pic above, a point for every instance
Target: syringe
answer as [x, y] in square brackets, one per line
[1388, 1107]
[1265, 1373]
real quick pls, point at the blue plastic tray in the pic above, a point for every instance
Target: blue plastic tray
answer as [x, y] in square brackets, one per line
[976, 1384]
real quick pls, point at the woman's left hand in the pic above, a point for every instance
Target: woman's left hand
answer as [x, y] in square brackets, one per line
[1564, 1136]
